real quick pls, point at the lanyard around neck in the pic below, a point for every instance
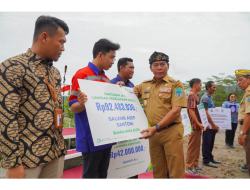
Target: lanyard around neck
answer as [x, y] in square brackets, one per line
[53, 94]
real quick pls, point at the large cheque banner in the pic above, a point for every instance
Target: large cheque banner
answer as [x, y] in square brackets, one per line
[114, 112]
[129, 158]
[203, 114]
[221, 117]
[186, 122]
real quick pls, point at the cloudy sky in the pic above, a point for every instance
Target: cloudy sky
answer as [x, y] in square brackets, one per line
[199, 44]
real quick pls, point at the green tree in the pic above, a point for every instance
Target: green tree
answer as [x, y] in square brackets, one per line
[187, 88]
[68, 114]
[224, 86]
[141, 100]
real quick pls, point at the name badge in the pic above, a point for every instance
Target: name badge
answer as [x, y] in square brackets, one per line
[58, 119]
[233, 109]
[146, 91]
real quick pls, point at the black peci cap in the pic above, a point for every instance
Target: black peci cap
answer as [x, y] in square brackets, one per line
[158, 56]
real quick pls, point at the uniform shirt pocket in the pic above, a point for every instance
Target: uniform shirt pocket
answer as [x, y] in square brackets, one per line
[164, 97]
[145, 96]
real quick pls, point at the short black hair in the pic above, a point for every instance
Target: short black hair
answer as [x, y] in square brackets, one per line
[50, 25]
[209, 84]
[228, 98]
[104, 45]
[194, 81]
[123, 61]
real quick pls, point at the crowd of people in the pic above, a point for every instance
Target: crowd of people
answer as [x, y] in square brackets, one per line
[32, 145]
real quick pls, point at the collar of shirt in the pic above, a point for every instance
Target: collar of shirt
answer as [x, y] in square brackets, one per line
[209, 95]
[194, 92]
[36, 59]
[166, 78]
[95, 69]
[247, 89]
[232, 102]
[120, 79]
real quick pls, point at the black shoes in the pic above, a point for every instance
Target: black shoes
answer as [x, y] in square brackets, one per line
[210, 164]
[244, 168]
[229, 145]
[215, 161]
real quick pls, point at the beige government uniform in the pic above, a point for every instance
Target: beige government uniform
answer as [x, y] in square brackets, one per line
[245, 108]
[165, 146]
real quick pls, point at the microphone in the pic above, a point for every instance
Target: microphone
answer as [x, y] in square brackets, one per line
[65, 70]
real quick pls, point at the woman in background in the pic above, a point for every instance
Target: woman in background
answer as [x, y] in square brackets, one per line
[234, 106]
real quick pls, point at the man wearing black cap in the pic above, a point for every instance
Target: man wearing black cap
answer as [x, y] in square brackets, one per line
[243, 80]
[163, 98]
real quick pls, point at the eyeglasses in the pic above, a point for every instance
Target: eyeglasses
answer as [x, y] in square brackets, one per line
[161, 64]
[232, 96]
[112, 59]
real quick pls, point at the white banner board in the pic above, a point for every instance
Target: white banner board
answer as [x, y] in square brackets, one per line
[203, 115]
[221, 117]
[114, 112]
[186, 122]
[129, 158]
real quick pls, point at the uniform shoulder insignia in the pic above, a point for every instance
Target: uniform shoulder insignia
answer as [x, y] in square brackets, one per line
[149, 80]
[248, 99]
[171, 79]
[248, 89]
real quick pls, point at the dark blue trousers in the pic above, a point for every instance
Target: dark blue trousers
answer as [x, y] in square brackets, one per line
[96, 164]
[208, 145]
[230, 134]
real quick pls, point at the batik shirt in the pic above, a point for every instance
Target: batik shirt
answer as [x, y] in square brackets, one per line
[192, 102]
[28, 133]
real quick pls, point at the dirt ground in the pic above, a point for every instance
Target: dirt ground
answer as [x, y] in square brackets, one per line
[231, 158]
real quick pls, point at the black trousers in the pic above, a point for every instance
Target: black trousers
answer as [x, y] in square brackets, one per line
[230, 134]
[96, 164]
[208, 137]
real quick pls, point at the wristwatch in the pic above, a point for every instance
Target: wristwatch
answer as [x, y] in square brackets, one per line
[242, 133]
[158, 128]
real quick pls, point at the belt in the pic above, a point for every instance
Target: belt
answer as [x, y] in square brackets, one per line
[241, 122]
[171, 124]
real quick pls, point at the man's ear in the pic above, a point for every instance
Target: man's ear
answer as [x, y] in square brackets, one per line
[100, 55]
[121, 68]
[168, 65]
[150, 67]
[44, 37]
